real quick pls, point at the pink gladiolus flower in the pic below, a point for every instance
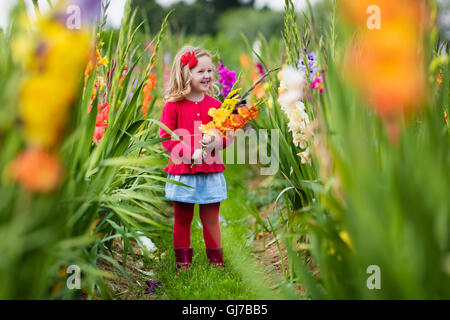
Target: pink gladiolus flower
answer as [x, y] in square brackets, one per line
[98, 134]
[102, 115]
[317, 84]
[101, 122]
[260, 68]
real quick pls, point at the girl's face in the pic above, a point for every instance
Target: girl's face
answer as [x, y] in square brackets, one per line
[202, 75]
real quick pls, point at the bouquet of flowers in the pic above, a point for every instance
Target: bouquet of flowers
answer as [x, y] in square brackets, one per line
[233, 114]
[230, 115]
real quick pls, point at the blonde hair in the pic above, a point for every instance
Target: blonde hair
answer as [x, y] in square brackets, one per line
[179, 86]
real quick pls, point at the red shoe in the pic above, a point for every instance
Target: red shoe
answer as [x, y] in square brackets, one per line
[183, 257]
[215, 257]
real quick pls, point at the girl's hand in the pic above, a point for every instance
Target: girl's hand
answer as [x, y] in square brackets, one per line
[207, 139]
[210, 142]
[198, 155]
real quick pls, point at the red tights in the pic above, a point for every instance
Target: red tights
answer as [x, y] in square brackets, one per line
[209, 215]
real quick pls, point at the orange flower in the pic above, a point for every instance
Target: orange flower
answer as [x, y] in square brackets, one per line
[389, 72]
[237, 121]
[244, 112]
[254, 112]
[92, 228]
[259, 91]
[37, 170]
[149, 86]
[227, 124]
[245, 61]
[356, 12]
[88, 70]
[124, 74]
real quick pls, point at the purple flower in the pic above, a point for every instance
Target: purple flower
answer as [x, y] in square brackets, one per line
[130, 96]
[441, 48]
[311, 58]
[90, 10]
[151, 286]
[167, 58]
[227, 79]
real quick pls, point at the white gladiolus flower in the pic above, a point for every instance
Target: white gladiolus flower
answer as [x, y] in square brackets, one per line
[305, 156]
[300, 141]
[289, 98]
[302, 110]
[294, 126]
[294, 79]
[256, 49]
[292, 84]
[300, 106]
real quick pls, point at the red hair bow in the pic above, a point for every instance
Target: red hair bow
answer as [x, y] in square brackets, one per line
[189, 58]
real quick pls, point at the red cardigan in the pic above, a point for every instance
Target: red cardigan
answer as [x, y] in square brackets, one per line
[184, 117]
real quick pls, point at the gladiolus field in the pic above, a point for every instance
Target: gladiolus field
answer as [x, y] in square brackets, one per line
[338, 177]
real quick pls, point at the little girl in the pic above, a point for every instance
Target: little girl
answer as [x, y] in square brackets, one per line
[188, 99]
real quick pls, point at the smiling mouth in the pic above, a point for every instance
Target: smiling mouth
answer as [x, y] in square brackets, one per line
[205, 82]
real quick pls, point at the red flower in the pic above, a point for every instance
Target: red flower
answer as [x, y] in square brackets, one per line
[102, 115]
[101, 123]
[98, 134]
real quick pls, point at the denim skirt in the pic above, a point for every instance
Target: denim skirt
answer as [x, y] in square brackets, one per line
[206, 187]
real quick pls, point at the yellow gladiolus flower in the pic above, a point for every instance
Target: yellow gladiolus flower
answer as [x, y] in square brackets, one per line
[101, 61]
[211, 112]
[346, 238]
[48, 91]
[207, 129]
[223, 118]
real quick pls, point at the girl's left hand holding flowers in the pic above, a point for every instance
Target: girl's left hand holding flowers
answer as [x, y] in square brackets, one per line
[210, 142]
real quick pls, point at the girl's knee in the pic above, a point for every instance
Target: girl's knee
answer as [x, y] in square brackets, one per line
[184, 218]
[210, 218]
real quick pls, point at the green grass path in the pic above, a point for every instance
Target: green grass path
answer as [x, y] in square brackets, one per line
[240, 280]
